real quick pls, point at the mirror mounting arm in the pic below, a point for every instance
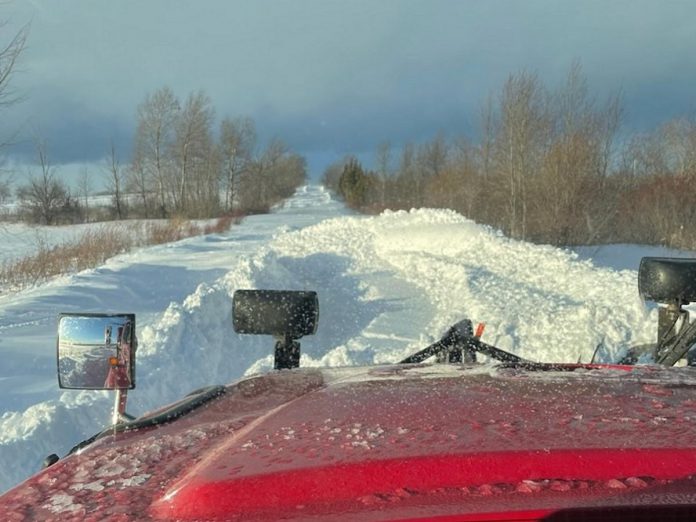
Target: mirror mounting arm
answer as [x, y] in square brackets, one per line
[287, 353]
[672, 345]
[119, 414]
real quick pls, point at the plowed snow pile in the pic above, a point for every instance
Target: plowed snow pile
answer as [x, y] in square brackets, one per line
[388, 285]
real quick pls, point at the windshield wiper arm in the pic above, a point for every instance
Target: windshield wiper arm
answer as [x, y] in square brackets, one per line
[191, 402]
[460, 343]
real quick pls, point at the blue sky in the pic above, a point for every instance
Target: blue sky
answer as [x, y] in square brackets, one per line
[332, 77]
[88, 330]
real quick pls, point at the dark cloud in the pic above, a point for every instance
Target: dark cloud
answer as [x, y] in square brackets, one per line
[332, 76]
[74, 133]
[357, 128]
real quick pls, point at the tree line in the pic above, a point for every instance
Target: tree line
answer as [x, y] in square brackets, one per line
[181, 166]
[10, 51]
[547, 167]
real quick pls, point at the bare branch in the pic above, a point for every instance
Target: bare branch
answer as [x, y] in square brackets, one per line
[9, 55]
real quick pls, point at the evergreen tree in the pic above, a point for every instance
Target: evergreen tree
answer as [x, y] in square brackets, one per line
[354, 184]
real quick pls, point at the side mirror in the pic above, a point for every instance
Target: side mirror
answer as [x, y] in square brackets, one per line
[278, 313]
[670, 281]
[96, 351]
[285, 314]
[667, 280]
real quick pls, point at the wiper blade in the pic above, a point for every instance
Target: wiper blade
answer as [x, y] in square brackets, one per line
[192, 401]
[460, 343]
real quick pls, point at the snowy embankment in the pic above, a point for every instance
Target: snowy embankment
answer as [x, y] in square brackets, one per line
[388, 285]
[20, 240]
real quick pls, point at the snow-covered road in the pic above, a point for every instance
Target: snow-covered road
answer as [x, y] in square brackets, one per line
[387, 285]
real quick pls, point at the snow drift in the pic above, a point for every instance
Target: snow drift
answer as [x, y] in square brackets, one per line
[387, 285]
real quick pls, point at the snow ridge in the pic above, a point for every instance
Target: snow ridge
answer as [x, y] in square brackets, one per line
[388, 285]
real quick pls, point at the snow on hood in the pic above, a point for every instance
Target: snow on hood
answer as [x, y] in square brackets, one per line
[376, 429]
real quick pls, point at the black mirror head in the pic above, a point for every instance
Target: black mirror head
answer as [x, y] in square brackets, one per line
[280, 313]
[667, 280]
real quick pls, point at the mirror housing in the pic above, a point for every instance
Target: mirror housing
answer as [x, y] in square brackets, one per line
[672, 282]
[280, 313]
[286, 315]
[96, 351]
[667, 280]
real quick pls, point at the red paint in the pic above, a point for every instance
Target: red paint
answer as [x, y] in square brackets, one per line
[217, 498]
[394, 443]
[518, 516]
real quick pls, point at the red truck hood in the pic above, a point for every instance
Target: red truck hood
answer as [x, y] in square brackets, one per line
[392, 443]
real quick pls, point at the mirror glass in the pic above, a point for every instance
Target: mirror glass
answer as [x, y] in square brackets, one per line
[96, 352]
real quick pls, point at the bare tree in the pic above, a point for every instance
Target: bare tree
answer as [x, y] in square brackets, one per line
[139, 183]
[383, 160]
[488, 132]
[116, 179]
[84, 185]
[679, 139]
[432, 156]
[44, 196]
[192, 144]
[236, 146]
[266, 166]
[609, 122]
[458, 183]
[410, 188]
[207, 184]
[523, 132]
[154, 139]
[645, 155]
[9, 54]
[272, 176]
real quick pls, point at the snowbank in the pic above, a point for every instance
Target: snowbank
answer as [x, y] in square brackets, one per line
[388, 285]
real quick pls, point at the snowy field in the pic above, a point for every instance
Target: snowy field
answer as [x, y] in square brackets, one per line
[388, 285]
[20, 240]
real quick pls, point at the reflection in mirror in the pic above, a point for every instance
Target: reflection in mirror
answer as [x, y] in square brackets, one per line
[96, 352]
